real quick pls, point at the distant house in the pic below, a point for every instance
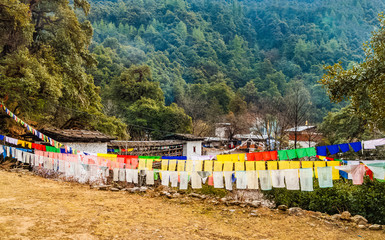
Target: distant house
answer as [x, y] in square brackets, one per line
[307, 136]
[192, 145]
[81, 140]
[172, 145]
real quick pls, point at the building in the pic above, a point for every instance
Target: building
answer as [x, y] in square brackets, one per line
[172, 145]
[81, 140]
[307, 136]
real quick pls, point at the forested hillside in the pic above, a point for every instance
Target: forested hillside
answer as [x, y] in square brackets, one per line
[215, 53]
[176, 65]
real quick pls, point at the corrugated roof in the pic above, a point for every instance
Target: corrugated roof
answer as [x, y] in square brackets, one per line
[300, 128]
[75, 135]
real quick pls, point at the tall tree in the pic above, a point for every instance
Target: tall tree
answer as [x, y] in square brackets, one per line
[363, 83]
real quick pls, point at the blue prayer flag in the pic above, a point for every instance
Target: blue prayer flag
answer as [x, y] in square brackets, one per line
[344, 147]
[356, 146]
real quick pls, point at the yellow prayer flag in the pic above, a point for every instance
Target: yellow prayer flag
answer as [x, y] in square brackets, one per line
[181, 164]
[284, 164]
[336, 172]
[142, 164]
[171, 165]
[234, 157]
[106, 155]
[29, 144]
[294, 164]
[242, 157]
[149, 164]
[218, 166]
[272, 165]
[240, 166]
[224, 158]
[198, 165]
[228, 166]
[318, 164]
[322, 157]
[307, 164]
[164, 165]
[208, 165]
[260, 165]
[250, 165]
[189, 166]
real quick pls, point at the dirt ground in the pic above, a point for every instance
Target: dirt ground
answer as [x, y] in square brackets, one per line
[32, 207]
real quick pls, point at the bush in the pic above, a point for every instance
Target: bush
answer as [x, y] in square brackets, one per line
[367, 200]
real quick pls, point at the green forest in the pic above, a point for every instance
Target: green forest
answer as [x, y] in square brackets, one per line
[143, 69]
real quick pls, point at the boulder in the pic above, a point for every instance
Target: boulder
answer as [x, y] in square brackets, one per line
[359, 220]
[295, 211]
[195, 195]
[375, 227]
[282, 207]
[336, 217]
[255, 204]
[143, 189]
[114, 189]
[361, 226]
[345, 215]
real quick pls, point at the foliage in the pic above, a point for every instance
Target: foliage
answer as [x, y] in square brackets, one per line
[366, 200]
[44, 55]
[256, 47]
[361, 83]
[140, 103]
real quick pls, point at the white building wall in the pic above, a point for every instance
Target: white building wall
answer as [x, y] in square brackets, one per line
[90, 147]
[303, 144]
[188, 149]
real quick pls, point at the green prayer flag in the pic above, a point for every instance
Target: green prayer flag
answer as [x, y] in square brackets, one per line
[311, 152]
[291, 153]
[282, 155]
[301, 152]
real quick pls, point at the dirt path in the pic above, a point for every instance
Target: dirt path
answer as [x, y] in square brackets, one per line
[32, 207]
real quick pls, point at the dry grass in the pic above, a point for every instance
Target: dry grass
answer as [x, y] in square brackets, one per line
[32, 207]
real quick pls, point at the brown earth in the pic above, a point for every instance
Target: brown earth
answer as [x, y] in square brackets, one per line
[32, 207]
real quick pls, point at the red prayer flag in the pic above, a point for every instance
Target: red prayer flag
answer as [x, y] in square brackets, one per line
[258, 156]
[274, 155]
[250, 156]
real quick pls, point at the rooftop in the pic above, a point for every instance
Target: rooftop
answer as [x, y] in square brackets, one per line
[300, 128]
[183, 137]
[75, 135]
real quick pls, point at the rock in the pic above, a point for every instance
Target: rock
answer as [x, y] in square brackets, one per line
[223, 200]
[361, 226]
[231, 210]
[202, 196]
[295, 211]
[143, 189]
[102, 187]
[243, 205]
[255, 204]
[133, 190]
[375, 227]
[345, 215]
[114, 189]
[253, 214]
[176, 195]
[168, 195]
[195, 195]
[282, 207]
[336, 217]
[359, 220]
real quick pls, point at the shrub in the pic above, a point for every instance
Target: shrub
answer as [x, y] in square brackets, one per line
[367, 199]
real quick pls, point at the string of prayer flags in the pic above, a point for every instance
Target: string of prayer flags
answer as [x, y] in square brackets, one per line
[335, 172]
[325, 177]
[318, 164]
[283, 155]
[357, 146]
[292, 153]
[262, 156]
[321, 150]
[333, 149]
[344, 147]
[372, 144]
